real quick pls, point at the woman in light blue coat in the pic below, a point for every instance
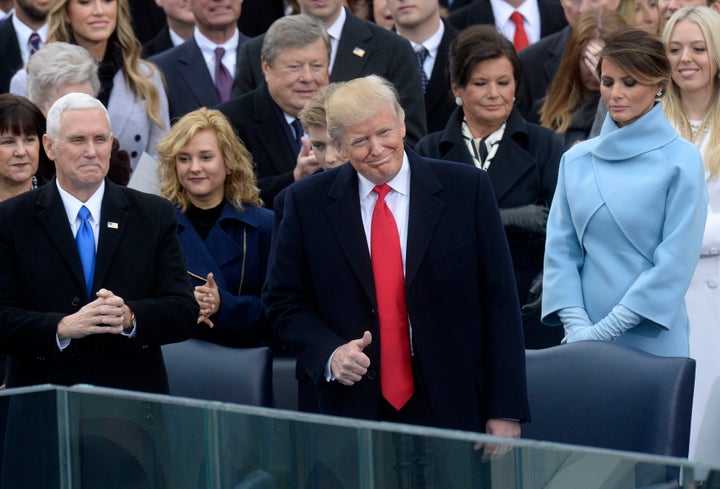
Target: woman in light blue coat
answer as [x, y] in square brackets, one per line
[627, 219]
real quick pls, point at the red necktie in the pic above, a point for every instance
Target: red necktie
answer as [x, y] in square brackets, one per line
[396, 378]
[520, 39]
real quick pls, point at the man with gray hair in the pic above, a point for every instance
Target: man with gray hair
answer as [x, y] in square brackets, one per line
[295, 57]
[92, 277]
[392, 282]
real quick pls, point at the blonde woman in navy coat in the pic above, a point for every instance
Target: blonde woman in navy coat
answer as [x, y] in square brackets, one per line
[206, 171]
[627, 219]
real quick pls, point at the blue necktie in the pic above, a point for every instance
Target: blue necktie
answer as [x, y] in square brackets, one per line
[85, 241]
[421, 55]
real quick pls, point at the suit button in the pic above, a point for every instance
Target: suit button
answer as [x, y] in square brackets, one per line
[75, 301]
[134, 154]
[371, 375]
[137, 138]
[712, 283]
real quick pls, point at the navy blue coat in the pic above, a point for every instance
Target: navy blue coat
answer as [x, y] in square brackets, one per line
[236, 252]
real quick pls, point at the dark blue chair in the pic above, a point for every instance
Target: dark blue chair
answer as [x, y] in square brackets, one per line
[606, 395]
[202, 370]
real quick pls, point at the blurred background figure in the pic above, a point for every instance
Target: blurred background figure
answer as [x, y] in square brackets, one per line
[675, 5]
[179, 28]
[56, 70]
[21, 33]
[644, 14]
[540, 61]
[361, 8]
[521, 159]
[314, 123]
[130, 88]
[627, 220]
[207, 173]
[430, 36]
[382, 15]
[573, 97]
[692, 105]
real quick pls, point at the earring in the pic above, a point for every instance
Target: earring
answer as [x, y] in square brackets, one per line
[513, 99]
[659, 94]
[458, 101]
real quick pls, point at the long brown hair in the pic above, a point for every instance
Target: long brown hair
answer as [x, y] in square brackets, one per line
[566, 92]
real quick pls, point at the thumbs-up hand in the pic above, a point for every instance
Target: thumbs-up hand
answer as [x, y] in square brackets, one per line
[349, 364]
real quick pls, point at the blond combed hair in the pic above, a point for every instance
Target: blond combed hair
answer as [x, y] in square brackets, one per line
[240, 184]
[136, 71]
[709, 23]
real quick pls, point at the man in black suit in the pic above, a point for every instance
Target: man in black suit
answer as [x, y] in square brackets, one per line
[179, 27]
[437, 341]
[419, 22]
[191, 69]
[540, 61]
[15, 37]
[89, 300]
[547, 15]
[295, 54]
[359, 48]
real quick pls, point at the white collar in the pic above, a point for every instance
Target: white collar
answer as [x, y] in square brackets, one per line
[400, 183]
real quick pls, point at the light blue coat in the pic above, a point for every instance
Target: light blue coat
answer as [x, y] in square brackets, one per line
[625, 227]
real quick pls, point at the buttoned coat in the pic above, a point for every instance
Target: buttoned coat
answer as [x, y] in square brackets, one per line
[236, 252]
[461, 297]
[41, 280]
[625, 227]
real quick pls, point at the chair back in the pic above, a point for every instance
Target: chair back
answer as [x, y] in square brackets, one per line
[607, 395]
[204, 370]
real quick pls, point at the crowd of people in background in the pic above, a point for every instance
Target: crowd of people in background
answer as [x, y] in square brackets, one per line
[542, 172]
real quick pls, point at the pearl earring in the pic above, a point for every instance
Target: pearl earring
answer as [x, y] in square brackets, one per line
[458, 101]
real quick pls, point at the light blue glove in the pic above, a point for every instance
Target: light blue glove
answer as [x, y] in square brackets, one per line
[610, 327]
[574, 320]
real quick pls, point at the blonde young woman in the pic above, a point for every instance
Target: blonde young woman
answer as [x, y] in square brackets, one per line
[207, 173]
[131, 89]
[692, 105]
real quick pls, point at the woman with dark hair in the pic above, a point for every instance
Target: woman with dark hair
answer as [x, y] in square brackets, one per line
[572, 99]
[627, 220]
[21, 128]
[206, 171]
[487, 131]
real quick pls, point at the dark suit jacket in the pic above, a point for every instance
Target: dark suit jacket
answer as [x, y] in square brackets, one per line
[461, 296]
[538, 64]
[10, 57]
[147, 19]
[524, 171]
[364, 49]
[189, 84]
[158, 44]
[41, 280]
[552, 17]
[439, 102]
[258, 125]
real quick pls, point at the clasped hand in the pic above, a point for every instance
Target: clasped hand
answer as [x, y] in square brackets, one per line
[208, 298]
[108, 313]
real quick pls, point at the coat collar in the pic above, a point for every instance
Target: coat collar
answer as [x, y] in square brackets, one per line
[647, 133]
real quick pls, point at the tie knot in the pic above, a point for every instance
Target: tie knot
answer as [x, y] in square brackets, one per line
[297, 126]
[219, 53]
[422, 53]
[382, 190]
[84, 213]
[34, 42]
[517, 18]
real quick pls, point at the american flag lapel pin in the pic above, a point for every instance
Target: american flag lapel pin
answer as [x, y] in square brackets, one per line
[112, 225]
[359, 52]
